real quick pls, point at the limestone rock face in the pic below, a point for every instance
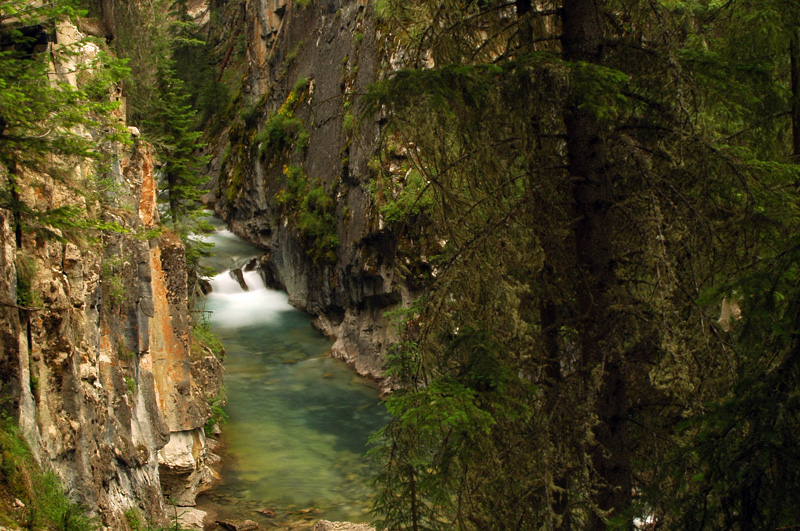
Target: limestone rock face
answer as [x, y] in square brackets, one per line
[100, 371]
[98, 367]
[336, 47]
[184, 467]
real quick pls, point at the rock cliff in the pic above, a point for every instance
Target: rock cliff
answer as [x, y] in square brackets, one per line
[292, 167]
[97, 362]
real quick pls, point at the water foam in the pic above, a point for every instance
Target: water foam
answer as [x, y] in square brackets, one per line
[254, 281]
[232, 306]
[225, 283]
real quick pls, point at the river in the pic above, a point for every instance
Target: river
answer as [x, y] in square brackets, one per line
[296, 436]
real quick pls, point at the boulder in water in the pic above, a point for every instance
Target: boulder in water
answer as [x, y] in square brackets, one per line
[239, 277]
[251, 265]
[238, 525]
[325, 525]
[205, 286]
[190, 518]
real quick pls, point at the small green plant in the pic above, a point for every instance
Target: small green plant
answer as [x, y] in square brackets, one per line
[234, 184]
[251, 113]
[280, 132]
[301, 85]
[146, 234]
[283, 129]
[226, 155]
[383, 10]
[317, 222]
[26, 273]
[134, 519]
[291, 57]
[218, 415]
[130, 386]
[113, 283]
[115, 289]
[124, 352]
[349, 123]
[204, 338]
[46, 503]
[413, 198]
[314, 211]
[303, 3]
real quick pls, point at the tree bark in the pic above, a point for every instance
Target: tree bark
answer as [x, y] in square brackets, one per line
[548, 312]
[592, 193]
[794, 53]
[174, 202]
[414, 508]
[525, 29]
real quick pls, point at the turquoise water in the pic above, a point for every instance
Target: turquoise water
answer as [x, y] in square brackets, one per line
[298, 424]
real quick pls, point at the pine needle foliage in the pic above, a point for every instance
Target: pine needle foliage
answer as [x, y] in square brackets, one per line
[55, 114]
[598, 187]
[170, 81]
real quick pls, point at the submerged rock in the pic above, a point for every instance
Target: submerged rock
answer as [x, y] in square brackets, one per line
[238, 276]
[325, 525]
[238, 525]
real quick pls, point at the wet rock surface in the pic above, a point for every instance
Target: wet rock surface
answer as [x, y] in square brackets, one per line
[336, 47]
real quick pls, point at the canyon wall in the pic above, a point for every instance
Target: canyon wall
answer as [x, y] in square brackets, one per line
[292, 166]
[95, 357]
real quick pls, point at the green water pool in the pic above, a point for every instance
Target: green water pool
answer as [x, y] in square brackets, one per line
[299, 421]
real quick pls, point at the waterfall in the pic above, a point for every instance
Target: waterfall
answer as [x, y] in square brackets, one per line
[225, 283]
[237, 308]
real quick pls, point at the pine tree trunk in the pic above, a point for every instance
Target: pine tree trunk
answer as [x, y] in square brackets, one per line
[582, 40]
[794, 52]
[174, 203]
[414, 508]
[525, 29]
[548, 312]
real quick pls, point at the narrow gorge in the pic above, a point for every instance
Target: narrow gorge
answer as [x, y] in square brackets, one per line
[545, 252]
[293, 172]
[100, 365]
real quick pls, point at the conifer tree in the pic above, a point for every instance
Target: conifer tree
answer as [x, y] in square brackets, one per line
[597, 209]
[172, 127]
[46, 123]
[155, 38]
